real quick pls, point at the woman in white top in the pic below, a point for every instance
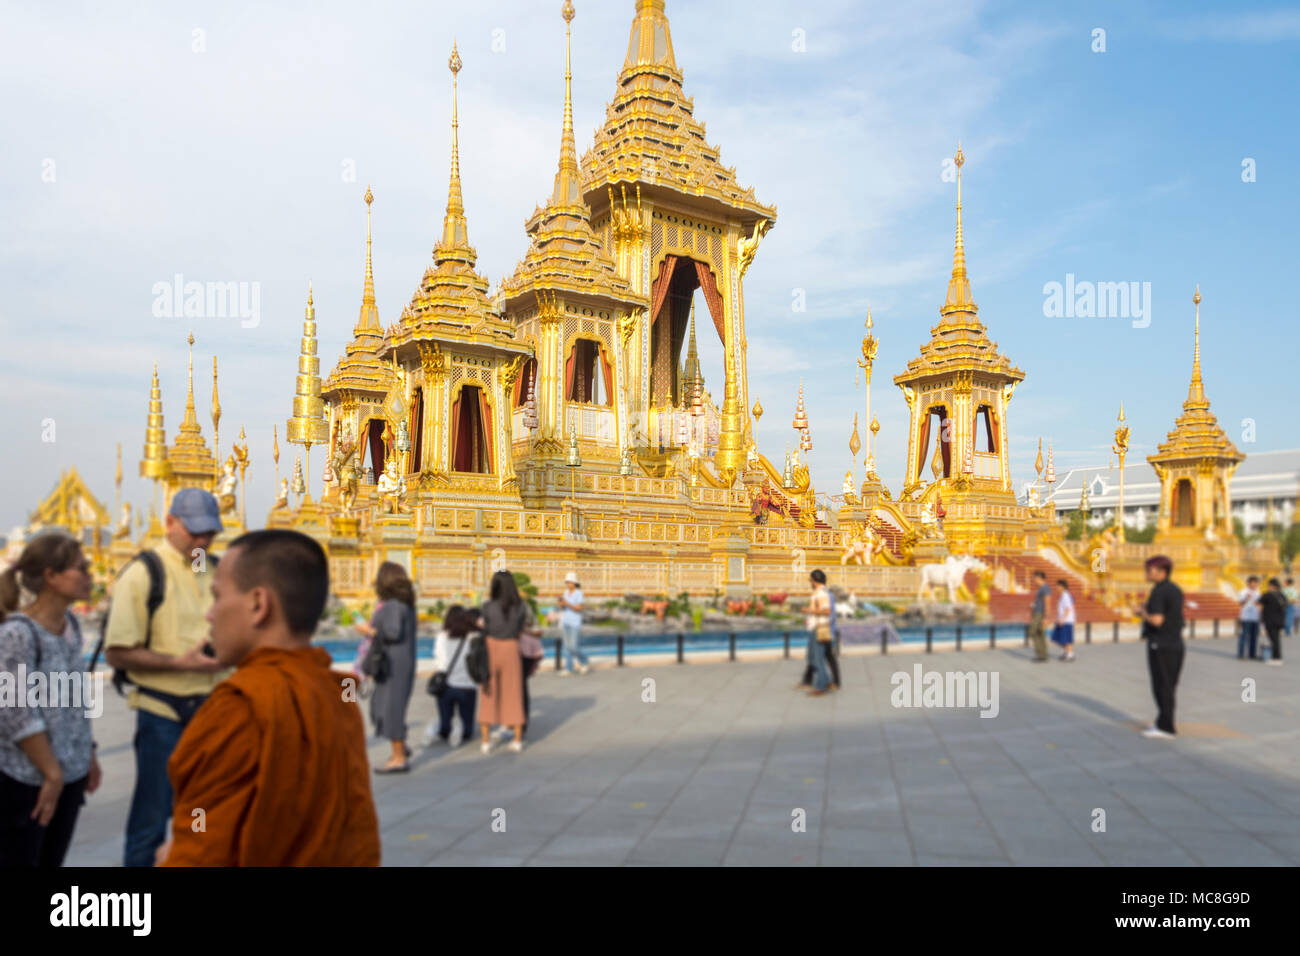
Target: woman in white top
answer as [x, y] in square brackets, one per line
[1063, 633]
[461, 694]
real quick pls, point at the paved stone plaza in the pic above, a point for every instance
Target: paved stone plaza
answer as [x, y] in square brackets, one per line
[713, 771]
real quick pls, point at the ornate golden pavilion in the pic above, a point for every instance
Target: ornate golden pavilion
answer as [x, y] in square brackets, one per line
[553, 424]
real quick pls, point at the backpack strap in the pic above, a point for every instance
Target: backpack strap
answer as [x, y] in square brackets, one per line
[157, 589]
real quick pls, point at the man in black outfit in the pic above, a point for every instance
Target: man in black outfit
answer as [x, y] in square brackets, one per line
[1162, 627]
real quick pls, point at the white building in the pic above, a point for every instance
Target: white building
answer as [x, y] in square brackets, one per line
[1263, 491]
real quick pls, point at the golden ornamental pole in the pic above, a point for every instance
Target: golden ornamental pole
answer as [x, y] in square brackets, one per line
[1120, 448]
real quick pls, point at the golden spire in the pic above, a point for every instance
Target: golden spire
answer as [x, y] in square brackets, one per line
[153, 462]
[650, 44]
[567, 191]
[191, 418]
[307, 426]
[959, 297]
[1038, 462]
[117, 476]
[368, 321]
[216, 414]
[455, 230]
[1196, 390]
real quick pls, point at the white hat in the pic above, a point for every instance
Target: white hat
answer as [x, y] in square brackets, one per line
[571, 577]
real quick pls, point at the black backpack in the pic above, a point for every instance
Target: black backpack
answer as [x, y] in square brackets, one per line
[157, 588]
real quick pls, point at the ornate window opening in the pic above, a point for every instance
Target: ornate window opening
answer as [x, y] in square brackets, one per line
[471, 429]
[588, 377]
[1184, 504]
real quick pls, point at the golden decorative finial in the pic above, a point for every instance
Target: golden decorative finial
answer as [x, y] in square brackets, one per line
[191, 418]
[855, 441]
[455, 231]
[117, 478]
[368, 320]
[959, 296]
[307, 426]
[1121, 411]
[567, 190]
[1038, 462]
[758, 410]
[215, 410]
[875, 424]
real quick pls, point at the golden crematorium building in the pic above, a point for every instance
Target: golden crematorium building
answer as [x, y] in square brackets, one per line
[561, 421]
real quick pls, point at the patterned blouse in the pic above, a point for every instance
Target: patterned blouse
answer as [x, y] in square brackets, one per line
[56, 705]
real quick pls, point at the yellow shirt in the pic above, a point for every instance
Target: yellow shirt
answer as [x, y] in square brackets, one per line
[179, 624]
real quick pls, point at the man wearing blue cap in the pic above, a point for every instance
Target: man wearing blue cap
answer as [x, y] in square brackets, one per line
[157, 633]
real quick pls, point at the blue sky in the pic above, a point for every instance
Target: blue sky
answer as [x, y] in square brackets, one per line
[226, 165]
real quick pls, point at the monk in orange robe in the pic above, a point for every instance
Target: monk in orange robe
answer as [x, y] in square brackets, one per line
[272, 769]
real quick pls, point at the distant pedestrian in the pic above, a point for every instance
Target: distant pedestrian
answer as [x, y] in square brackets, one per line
[1248, 639]
[1162, 627]
[1038, 616]
[832, 662]
[1289, 592]
[47, 755]
[157, 633]
[459, 694]
[1272, 614]
[394, 632]
[571, 625]
[504, 618]
[819, 625]
[1063, 632]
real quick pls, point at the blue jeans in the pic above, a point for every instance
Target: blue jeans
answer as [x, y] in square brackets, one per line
[817, 661]
[462, 699]
[572, 634]
[149, 822]
[1249, 636]
[1290, 619]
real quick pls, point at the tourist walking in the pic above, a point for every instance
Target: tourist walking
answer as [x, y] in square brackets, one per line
[394, 637]
[832, 661]
[1162, 628]
[501, 701]
[1248, 619]
[1272, 614]
[1038, 616]
[274, 763]
[571, 625]
[157, 633]
[456, 691]
[47, 755]
[1289, 592]
[1063, 632]
[818, 622]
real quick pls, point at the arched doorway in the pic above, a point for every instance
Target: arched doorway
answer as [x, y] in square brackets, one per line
[1184, 504]
[670, 310]
[471, 432]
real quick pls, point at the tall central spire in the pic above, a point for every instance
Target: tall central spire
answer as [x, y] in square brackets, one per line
[567, 191]
[368, 321]
[1196, 390]
[959, 297]
[191, 420]
[455, 231]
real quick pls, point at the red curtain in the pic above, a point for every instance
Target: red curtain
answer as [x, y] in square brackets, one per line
[377, 447]
[659, 291]
[485, 423]
[711, 295]
[570, 366]
[945, 441]
[923, 447]
[455, 436]
[608, 369]
[417, 432]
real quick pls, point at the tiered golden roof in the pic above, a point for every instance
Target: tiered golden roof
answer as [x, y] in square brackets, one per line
[192, 464]
[70, 505]
[1196, 432]
[307, 426]
[651, 134]
[565, 253]
[959, 342]
[359, 369]
[452, 300]
[153, 460]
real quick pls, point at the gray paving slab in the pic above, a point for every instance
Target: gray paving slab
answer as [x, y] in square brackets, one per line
[713, 771]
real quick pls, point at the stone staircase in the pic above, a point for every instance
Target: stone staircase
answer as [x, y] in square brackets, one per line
[1015, 605]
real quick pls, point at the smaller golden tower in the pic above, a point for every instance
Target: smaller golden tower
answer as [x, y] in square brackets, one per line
[192, 464]
[307, 426]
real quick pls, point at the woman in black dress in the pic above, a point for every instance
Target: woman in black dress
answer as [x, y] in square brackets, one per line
[394, 629]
